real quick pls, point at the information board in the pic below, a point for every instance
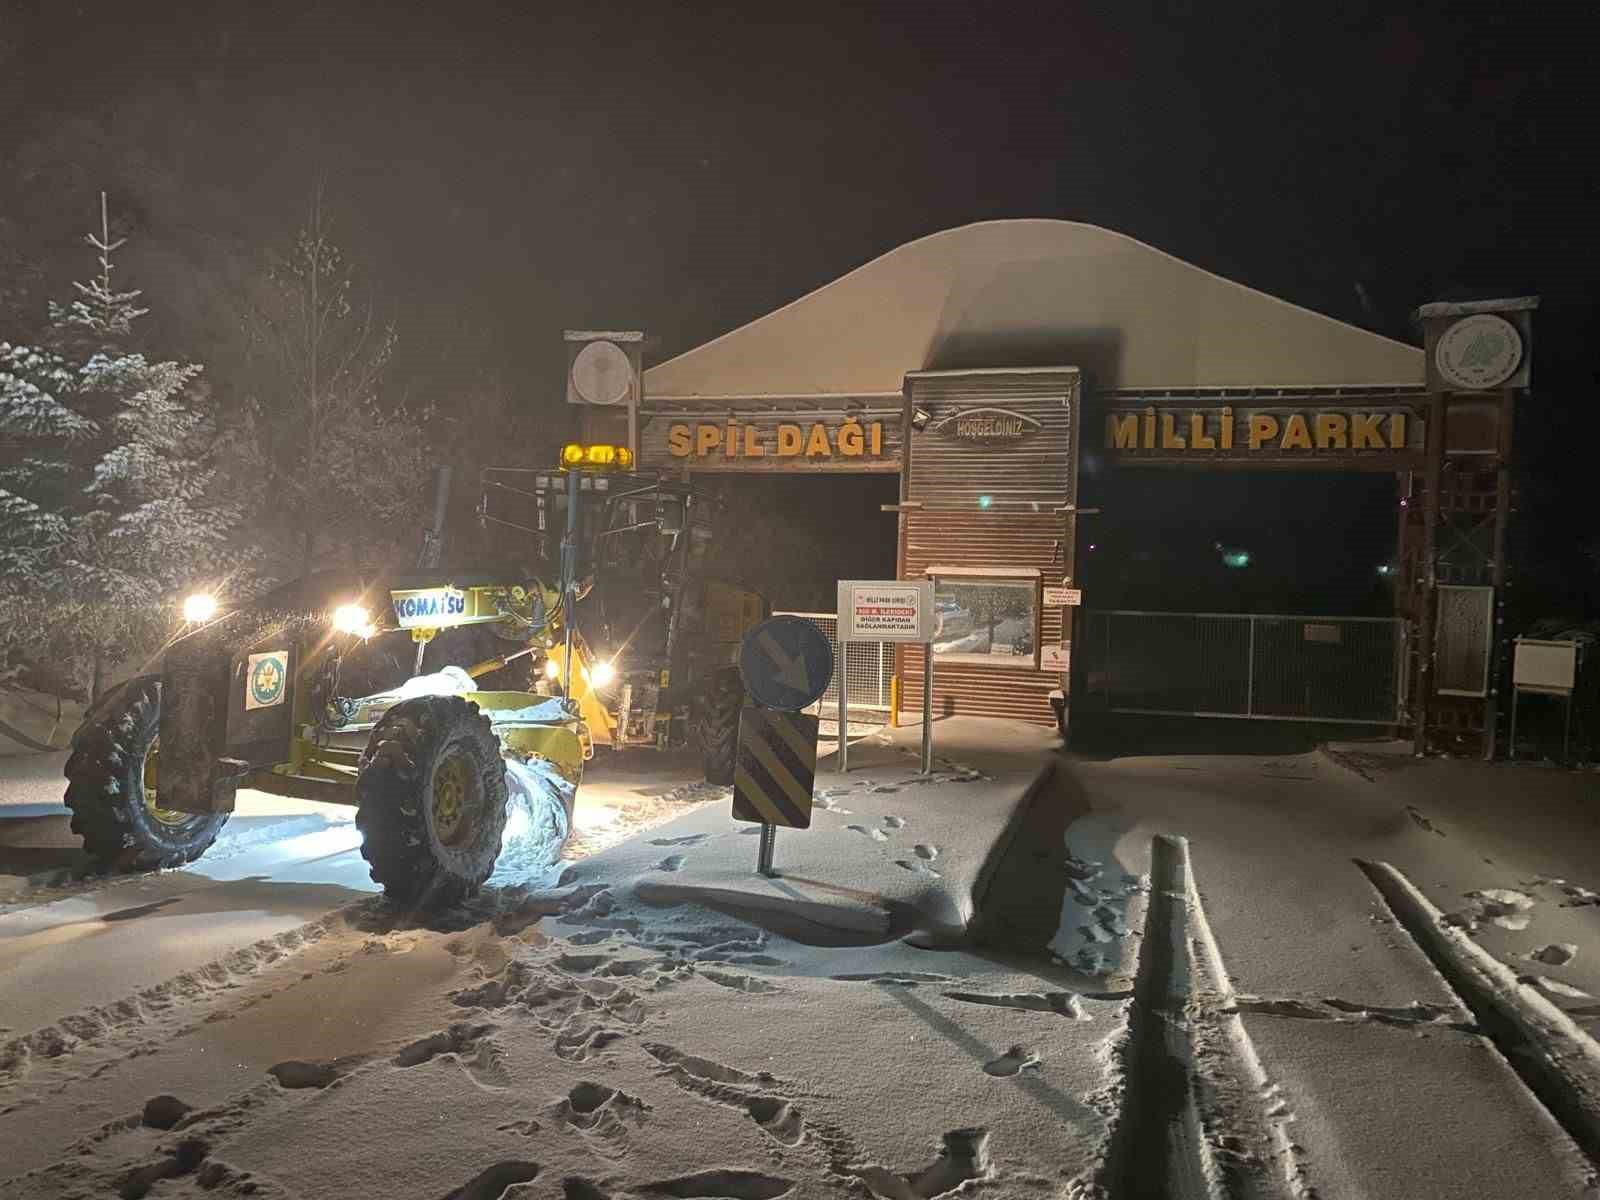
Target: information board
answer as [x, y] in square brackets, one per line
[885, 610]
[1545, 666]
[1062, 597]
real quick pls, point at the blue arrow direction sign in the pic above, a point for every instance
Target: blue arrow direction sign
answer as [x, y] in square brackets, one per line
[786, 663]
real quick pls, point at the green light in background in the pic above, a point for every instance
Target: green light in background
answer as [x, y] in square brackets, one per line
[985, 501]
[1236, 558]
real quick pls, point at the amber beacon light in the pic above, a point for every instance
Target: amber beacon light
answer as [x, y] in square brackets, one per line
[602, 457]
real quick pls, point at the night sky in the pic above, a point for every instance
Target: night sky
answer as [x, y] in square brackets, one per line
[512, 170]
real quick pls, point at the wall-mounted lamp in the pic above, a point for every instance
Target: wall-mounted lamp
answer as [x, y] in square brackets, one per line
[919, 419]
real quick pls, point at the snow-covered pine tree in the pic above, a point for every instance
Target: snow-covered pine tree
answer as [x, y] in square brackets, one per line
[108, 504]
[346, 466]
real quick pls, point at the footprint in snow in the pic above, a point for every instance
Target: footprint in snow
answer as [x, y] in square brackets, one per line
[925, 851]
[163, 1112]
[1504, 907]
[740, 983]
[1422, 822]
[493, 1182]
[1079, 868]
[584, 1044]
[894, 822]
[688, 839]
[917, 867]
[1579, 896]
[583, 964]
[600, 1114]
[1090, 961]
[1063, 1004]
[297, 1074]
[778, 1119]
[470, 1047]
[726, 1182]
[887, 789]
[1110, 920]
[876, 835]
[1557, 954]
[963, 1159]
[1013, 1062]
[702, 1068]
[1554, 989]
[672, 862]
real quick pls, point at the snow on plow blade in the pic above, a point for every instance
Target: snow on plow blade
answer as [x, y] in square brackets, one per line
[539, 726]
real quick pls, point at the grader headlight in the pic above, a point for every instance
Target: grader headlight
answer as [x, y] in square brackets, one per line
[199, 608]
[354, 620]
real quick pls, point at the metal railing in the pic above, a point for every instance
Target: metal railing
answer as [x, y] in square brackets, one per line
[1264, 667]
[870, 666]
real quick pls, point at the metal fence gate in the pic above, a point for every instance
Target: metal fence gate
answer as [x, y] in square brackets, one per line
[1282, 668]
[871, 669]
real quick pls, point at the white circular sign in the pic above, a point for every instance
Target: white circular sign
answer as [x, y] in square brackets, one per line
[1479, 351]
[602, 374]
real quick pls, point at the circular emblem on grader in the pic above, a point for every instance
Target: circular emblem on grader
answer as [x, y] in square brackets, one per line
[1479, 351]
[266, 679]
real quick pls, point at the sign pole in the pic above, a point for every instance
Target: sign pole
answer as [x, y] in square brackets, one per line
[569, 579]
[927, 708]
[844, 709]
[786, 663]
[769, 837]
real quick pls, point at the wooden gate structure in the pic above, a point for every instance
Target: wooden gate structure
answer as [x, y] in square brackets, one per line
[975, 362]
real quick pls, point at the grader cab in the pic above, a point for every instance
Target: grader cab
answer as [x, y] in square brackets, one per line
[656, 665]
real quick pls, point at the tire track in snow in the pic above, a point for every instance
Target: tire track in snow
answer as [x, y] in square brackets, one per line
[1558, 1061]
[136, 1013]
[1193, 1122]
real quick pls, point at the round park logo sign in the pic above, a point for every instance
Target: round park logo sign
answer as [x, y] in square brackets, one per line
[1479, 351]
[265, 677]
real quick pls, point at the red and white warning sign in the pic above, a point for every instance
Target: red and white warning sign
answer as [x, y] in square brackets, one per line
[885, 610]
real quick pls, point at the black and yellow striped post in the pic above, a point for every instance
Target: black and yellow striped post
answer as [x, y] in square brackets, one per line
[775, 773]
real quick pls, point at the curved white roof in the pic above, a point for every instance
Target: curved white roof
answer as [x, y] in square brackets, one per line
[1034, 293]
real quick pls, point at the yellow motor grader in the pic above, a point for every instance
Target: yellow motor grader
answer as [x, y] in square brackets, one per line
[260, 698]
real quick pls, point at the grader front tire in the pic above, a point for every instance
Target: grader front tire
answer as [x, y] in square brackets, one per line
[431, 800]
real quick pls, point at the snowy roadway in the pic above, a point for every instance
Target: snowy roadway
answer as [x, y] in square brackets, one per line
[278, 864]
[1030, 975]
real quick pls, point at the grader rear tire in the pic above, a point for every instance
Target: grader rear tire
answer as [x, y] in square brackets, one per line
[719, 726]
[116, 814]
[431, 797]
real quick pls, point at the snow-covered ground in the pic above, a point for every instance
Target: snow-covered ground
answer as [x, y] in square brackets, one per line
[1026, 976]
